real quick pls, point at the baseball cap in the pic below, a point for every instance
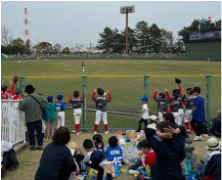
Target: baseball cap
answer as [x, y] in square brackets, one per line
[196, 89]
[50, 98]
[96, 157]
[144, 98]
[59, 96]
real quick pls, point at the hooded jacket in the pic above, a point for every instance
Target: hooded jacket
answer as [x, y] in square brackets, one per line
[51, 108]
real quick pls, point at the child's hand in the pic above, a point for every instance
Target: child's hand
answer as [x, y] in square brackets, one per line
[10, 81]
[80, 95]
[79, 147]
[165, 90]
[69, 95]
[107, 90]
[140, 153]
[156, 90]
[3, 81]
[95, 90]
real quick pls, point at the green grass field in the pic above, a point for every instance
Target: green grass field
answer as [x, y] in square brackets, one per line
[125, 91]
[123, 78]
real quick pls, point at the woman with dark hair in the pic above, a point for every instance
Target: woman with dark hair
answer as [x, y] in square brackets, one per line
[56, 162]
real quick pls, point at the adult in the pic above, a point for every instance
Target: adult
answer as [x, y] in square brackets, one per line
[56, 162]
[32, 105]
[169, 152]
[216, 125]
[8, 157]
[198, 112]
[213, 168]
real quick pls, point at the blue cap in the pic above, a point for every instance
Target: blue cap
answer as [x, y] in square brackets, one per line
[144, 98]
[96, 157]
[59, 96]
[50, 98]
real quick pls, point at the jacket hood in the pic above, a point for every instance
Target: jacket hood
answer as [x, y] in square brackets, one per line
[50, 106]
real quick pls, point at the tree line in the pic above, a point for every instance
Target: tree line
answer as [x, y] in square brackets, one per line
[141, 39]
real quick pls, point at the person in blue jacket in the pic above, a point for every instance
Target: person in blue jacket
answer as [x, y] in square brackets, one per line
[60, 108]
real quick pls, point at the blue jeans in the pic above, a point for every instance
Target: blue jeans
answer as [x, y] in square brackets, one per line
[37, 125]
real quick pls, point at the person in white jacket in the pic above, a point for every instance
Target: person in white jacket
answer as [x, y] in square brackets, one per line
[8, 156]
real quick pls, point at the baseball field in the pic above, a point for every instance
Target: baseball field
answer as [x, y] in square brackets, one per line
[125, 81]
[123, 78]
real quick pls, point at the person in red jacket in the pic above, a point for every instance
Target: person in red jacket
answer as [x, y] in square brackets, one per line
[101, 102]
[4, 92]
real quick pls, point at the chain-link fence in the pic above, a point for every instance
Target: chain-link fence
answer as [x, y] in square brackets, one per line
[162, 56]
[126, 92]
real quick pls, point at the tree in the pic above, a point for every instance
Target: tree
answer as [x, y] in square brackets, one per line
[155, 35]
[56, 48]
[45, 47]
[143, 37]
[65, 51]
[6, 36]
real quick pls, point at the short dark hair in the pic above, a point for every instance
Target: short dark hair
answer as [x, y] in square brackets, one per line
[144, 144]
[97, 138]
[87, 144]
[61, 136]
[169, 117]
[76, 93]
[164, 124]
[113, 141]
[100, 91]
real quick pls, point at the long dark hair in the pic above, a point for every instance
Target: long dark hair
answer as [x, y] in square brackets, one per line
[157, 124]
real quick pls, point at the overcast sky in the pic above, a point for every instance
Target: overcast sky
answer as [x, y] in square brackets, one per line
[68, 23]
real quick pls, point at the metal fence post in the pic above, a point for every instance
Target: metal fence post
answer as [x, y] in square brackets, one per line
[22, 85]
[208, 78]
[84, 101]
[146, 85]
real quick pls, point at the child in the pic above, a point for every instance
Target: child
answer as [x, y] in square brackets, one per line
[52, 117]
[60, 107]
[94, 170]
[73, 149]
[188, 102]
[114, 152]
[144, 112]
[212, 146]
[45, 117]
[16, 94]
[162, 104]
[4, 92]
[98, 143]
[88, 145]
[150, 157]
[153, 123]
[77, 111]
[174, 107]
[170, 117]
[101, 102]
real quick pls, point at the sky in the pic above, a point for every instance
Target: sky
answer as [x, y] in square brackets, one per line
[80, 22]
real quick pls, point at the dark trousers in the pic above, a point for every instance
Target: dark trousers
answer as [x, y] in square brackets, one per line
[142, 121]
[137, 164]
[10, 158]
[32, 126]
[197, 126]
[212, 131]
[204, 130]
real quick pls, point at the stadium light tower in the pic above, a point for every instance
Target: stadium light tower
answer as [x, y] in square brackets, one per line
[126, 10]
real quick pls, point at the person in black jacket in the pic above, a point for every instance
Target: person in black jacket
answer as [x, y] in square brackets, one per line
[169, 152]
[213, 167]
[56, 162]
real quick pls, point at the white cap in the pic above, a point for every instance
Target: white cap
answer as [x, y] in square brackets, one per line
[153, 117]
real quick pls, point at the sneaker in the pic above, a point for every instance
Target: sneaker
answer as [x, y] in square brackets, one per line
[32, 148]
[73, 131]
[133, 171]
[95, 132]
[78, 133]
[201, 137]
[40, 148]
[47, 139]
[106, 132]
[197, 138]
[188, 131]
[205, 135]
